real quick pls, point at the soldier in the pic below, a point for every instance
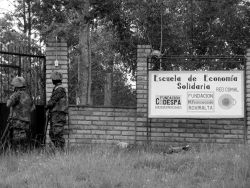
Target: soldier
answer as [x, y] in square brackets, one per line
[21, 106]
[57, 106]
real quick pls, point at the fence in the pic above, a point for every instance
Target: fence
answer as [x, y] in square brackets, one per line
[20, 61]
[198, 63]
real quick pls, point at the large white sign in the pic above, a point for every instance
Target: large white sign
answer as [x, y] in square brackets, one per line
[196, 94]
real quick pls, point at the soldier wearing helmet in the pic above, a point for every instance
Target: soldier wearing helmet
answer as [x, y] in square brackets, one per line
[20, 105]
[57, 106]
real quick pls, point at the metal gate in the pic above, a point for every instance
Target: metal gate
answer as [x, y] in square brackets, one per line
[29, 63]
[201, 62]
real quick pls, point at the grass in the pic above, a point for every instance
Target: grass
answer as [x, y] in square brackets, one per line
[140, 167]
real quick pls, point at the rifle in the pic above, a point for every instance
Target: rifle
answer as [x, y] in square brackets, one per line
[47, 119]
[50, 145]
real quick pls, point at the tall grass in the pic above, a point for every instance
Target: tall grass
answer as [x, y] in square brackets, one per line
[110, 167]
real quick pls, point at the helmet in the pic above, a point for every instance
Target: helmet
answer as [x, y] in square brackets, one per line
[18, 82]
[56, 76]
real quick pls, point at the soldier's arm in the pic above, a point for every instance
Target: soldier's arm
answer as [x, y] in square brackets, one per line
[56, 96]
[14, 98]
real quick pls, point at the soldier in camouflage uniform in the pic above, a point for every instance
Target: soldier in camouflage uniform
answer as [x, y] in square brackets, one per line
[57, 106]
[21, 106]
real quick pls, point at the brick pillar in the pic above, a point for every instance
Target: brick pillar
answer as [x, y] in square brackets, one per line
[56, 51]
[142, 92]
[248, 94]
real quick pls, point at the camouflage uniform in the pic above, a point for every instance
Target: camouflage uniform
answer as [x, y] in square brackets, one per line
[58, 110]
[20, 105]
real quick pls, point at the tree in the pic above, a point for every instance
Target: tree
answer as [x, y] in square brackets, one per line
[73, 18]
[176, 27]
[12, 40]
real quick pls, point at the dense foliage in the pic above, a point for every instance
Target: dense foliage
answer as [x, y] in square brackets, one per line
[104, 33]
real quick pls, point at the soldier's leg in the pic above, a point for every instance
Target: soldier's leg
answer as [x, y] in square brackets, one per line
[51, 130]
[51, 134]
[13, 134]
[56, 135]
[20, 139]
[62, 122]
[59, 139]
[26, 136]
[58, 120]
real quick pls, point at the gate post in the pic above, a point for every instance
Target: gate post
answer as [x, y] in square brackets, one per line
[56, 51]
[141, 130]
[247, 90]
[56, 60]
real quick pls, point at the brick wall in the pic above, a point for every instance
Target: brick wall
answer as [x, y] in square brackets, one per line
[197, 131]
[181, 130]
[247, 87]
[108, 125]
[101, 125]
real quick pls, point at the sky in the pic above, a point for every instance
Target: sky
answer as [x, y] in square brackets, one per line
[6, 6]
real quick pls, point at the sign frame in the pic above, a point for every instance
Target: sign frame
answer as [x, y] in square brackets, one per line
[242, 115]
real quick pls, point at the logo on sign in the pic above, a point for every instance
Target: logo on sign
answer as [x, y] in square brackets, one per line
[226, 101]
[168, 101]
